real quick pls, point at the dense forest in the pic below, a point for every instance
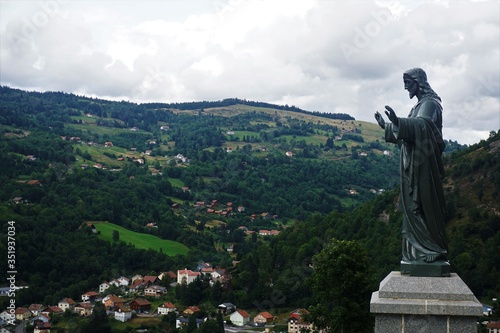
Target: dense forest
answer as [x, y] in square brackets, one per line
[339, 182]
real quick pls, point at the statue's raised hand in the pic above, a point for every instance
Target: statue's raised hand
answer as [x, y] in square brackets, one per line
[380, 120]
[392, 115]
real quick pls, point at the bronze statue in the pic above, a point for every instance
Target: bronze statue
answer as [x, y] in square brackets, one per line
[419, 136]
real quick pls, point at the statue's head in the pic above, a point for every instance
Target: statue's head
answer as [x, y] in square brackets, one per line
[415, 81]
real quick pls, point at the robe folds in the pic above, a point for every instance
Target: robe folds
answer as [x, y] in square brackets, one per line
[421, 168]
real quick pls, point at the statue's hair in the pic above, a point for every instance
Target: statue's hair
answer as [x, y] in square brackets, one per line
[418, 74]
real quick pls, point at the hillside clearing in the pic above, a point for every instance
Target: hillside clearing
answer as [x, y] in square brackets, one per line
[140, 240]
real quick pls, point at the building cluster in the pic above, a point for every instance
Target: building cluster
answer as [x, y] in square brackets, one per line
[139, 291]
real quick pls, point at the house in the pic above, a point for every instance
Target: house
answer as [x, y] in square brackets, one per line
[22, 313]
[6, 316]
[84, 309]
[89, 296]
[155, 291]
[239, 318]
[493, 327]
[123, 314]
[191, 310]
[108, 144]
[295, 322]
[183, 321]
[136, 277]
[263, 318]
[170, 275]
[123, 281]
[136, 285]
[66, 303]
[52, 310]
[166, 308]
[289, 153]
[39, 318]
[41, 327]
[36, 309]
[487, 310]
[112, 301]
[149, 280]
[181, 158]
[103, 286]
[140, 305]
[17, 200]
[217, 273]
[227, 307]
[34, 182]
[115, 283]
[187, 276]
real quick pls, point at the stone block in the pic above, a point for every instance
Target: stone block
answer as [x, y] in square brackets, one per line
[424, 305]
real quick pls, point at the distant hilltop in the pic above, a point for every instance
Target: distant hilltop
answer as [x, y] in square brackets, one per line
[234, 101]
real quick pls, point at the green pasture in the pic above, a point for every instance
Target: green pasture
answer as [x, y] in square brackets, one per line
[176, 182]
[140, 240]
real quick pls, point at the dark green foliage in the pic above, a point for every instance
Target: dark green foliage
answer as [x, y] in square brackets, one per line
[341, 279]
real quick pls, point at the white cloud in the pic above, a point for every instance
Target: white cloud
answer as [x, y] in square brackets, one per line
[319, 55]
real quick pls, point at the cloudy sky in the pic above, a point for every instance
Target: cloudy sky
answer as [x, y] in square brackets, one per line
[318, 55]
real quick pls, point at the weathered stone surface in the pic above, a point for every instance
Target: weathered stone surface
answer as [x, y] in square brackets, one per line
[424, 305]
[399, 286]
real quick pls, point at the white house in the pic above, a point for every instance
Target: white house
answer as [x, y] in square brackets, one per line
[123, 314]
[186, 276]
[166, 308]
[123, 281]
[6, 316]
[66, 303]
[103, 286]
[89, 296]
[239, 317]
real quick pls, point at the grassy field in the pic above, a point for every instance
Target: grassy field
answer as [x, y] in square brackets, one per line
[140, 240]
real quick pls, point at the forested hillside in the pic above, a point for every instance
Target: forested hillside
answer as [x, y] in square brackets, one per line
[202, 173]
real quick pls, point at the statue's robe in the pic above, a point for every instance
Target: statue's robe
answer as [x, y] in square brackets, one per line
[422, 198]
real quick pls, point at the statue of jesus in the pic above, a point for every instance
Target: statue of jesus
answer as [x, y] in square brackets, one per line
[424, 248]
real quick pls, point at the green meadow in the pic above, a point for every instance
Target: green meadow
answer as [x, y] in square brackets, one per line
[140, 240]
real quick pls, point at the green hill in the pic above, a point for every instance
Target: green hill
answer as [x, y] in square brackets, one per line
[171, 165]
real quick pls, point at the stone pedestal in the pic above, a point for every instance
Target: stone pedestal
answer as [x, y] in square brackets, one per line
[411, 304]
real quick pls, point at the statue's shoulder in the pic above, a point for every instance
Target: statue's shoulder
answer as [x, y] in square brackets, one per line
[430, 104]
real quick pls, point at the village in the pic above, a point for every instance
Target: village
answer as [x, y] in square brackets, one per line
[137, 296]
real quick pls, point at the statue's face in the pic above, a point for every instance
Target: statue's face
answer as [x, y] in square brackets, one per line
[411, 85]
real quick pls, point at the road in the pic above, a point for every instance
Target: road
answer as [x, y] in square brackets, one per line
[233, 329]
[20, 327]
